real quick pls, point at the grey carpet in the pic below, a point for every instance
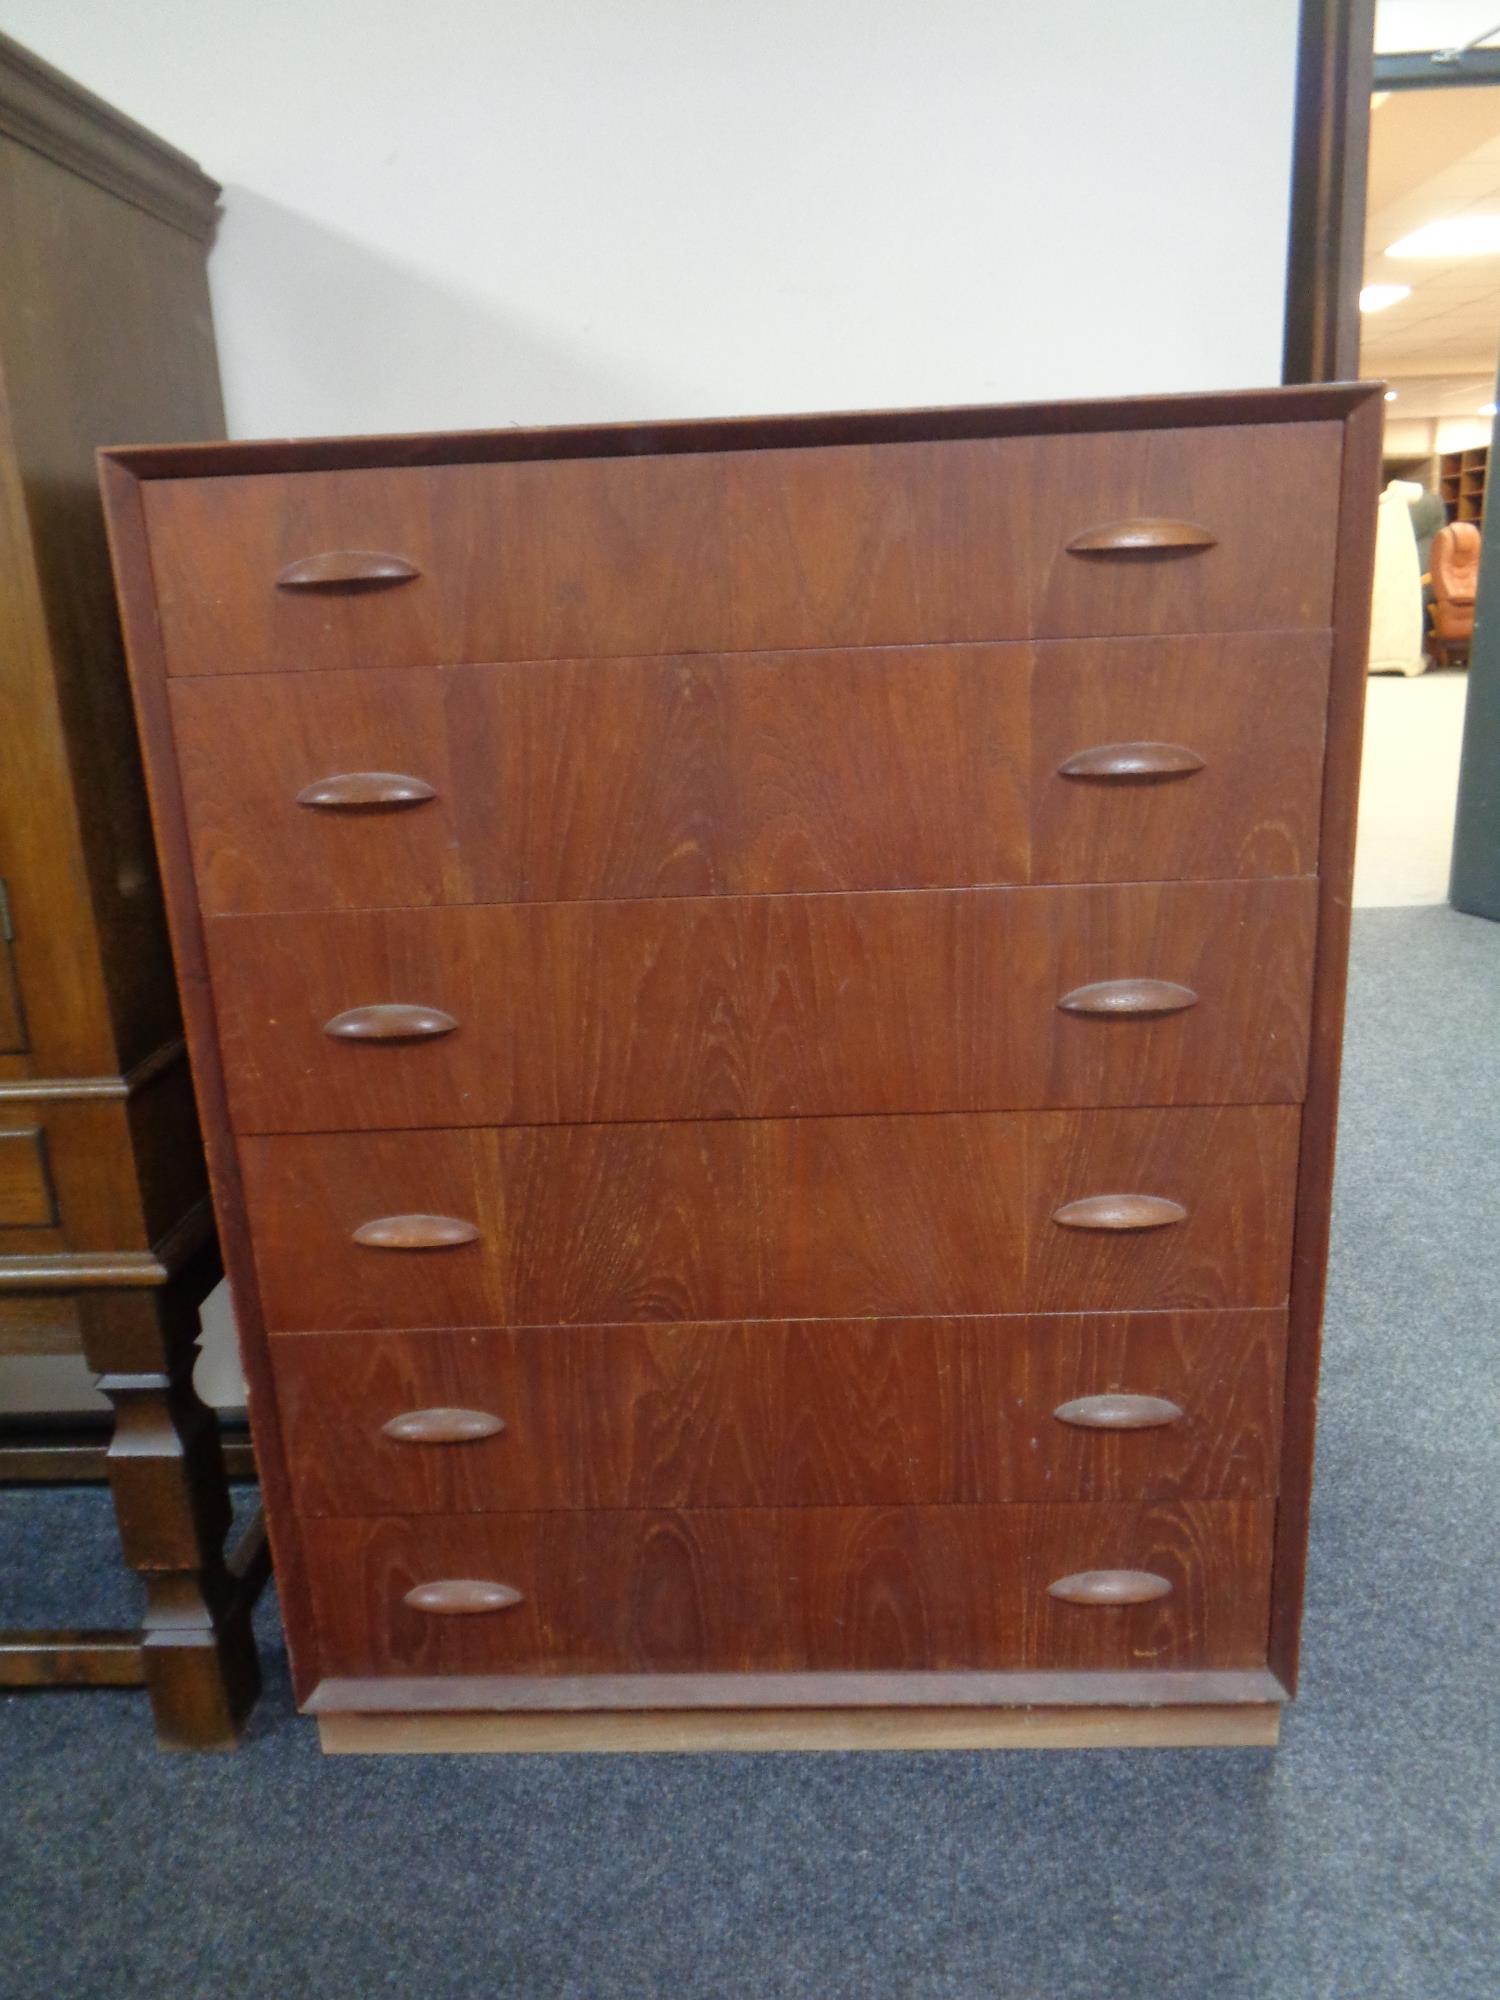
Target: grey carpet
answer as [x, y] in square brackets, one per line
[1358, 1862]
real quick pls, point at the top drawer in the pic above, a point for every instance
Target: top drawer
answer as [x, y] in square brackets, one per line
[1194, 530]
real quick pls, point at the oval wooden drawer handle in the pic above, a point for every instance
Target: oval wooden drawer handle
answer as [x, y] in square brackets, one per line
[347, 791]
[461, 1596]
[1110, 1586]
[1147, 997]
[415, 1232]
[1140, 536]
[442, 1426]
[1120, 1211]
[338, 569]
[1127, 763]
[389, 1021]
[1118, 1412]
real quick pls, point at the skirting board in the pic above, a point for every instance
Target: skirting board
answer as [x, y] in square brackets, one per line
[1240, 1725]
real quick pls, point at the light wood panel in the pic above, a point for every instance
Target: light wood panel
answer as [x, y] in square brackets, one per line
[1227, 1727]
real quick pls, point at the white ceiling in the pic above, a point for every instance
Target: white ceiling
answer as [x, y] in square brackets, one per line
[1433, 153]
[1431, 24]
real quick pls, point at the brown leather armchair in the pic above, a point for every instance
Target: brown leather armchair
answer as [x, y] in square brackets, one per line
[1455, 578]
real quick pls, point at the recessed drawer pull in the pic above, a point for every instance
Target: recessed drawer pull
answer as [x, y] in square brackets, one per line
[442, 1426]
[1129, 996]
[389, 1021]
[1110, 1586]
[1118, 1413]
[349, 791]
[1132, 763]
[415, 1232]
[1143, 535]
[346, 569]
[1120, 1211]
[461, 1596]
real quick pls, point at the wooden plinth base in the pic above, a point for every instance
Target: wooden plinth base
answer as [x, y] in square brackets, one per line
[1241, 1725]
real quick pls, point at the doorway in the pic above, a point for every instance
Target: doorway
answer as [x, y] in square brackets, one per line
[1430, 328]
[1398, 137]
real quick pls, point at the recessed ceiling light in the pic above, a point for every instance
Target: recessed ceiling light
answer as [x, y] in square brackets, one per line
[1453, 236]
[1375, 298]
[1391, 395]
[1486, 409]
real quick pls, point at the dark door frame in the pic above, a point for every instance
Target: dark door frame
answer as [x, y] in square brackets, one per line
[1330, 163]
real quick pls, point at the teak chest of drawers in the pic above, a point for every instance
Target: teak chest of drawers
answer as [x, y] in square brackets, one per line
[765, 998]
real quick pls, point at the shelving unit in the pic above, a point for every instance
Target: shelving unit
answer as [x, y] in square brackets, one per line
[1462, 475]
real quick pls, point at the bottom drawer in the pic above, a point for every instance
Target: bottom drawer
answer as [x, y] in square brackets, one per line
[789, 1589]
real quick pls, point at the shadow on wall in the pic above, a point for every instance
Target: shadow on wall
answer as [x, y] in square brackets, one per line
[321, 335]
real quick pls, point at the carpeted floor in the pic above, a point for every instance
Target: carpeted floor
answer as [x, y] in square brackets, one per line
[1360, 1862]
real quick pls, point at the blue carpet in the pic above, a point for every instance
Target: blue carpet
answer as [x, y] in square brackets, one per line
[1360, 1862]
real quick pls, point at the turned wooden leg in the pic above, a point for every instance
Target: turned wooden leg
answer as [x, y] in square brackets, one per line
[166, 1470]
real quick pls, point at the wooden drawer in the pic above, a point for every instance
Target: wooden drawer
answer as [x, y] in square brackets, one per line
[755, 773]
[852, 545]
[951, 1000]
[807, 1588]
[826, 1413]
[774, 1219]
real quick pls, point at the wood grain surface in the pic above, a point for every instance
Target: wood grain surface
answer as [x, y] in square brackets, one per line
[1250, 810]
[762, 1006]
[810, 1588]
[770, 1413]
[861, 545]
[1303, 403]
[775, 1378]
[963, 1688]
[27, 1200]
[1314, 1209]
[773, 1219]
[755, 773]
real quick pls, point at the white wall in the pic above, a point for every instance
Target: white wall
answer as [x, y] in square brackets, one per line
[483, 212]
